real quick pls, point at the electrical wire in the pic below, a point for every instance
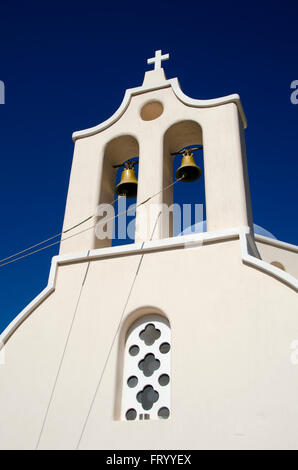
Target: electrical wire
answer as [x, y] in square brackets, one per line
[17, 258]
[63, 355]
[44, 241]
[114, 338]
[111, 346]
[53, 236]
[67, 342]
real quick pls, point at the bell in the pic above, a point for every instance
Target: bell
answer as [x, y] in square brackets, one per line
[128, 185]
[188, 170]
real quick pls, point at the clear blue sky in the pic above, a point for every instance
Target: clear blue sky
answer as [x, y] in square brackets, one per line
[66, 68]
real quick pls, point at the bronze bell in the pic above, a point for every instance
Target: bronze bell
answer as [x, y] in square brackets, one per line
[128, 185]
[189, 171]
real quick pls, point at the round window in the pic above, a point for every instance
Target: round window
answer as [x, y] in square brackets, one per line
[151, 110]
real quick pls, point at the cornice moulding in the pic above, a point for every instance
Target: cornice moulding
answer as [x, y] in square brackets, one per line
[185, 241]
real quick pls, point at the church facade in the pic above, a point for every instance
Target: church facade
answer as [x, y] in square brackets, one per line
[172, 342]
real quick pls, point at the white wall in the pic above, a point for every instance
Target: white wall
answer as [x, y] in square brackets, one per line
[233, 384]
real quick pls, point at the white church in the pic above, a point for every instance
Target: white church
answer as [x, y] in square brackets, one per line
[170, 342]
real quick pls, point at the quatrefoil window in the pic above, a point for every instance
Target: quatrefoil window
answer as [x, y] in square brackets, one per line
[150, 334]
[149, 364]
[146, 388]
[147, 397]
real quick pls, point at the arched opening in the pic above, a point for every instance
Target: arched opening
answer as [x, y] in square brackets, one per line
[187, 198]
[146, 376]
[112, 228]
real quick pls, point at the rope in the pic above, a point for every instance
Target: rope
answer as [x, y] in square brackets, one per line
[63, 355]
[78, 233]
[52, 237]
[67, 341]
[114, 337]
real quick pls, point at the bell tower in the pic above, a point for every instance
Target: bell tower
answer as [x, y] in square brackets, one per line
[171, 342]
[153, 122]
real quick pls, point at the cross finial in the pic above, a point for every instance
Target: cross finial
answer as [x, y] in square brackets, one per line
[158, 59]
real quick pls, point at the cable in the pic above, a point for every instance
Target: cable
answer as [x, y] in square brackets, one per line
[67, 341]
[63, 355]
[52, 237]
[114, 337]
[82, 231]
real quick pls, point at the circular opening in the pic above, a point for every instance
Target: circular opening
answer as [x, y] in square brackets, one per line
[151, 110]
[277, 264]
[134, 350]
[164, 348]
[164, 379]
[164, 412]
[132, 381]
[131, 414]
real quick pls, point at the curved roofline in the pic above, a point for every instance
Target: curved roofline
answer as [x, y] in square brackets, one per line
[174, 83]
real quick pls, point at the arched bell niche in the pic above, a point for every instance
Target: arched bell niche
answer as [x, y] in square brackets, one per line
[188, 198]
[116, 152]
